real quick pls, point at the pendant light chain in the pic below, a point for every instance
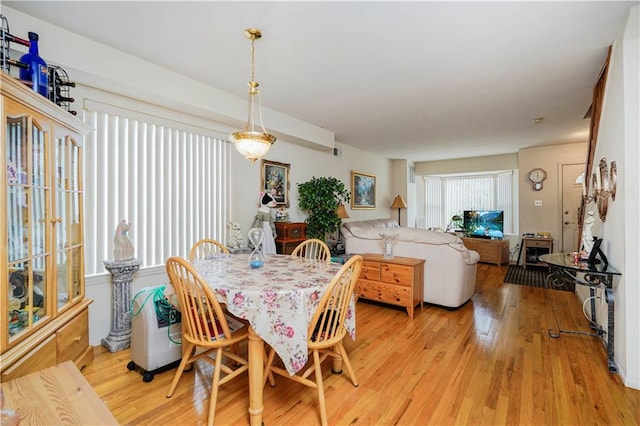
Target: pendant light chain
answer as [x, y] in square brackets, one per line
[253, 144]
[253, 59]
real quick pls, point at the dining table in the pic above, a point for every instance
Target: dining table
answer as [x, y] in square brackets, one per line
[278, 300]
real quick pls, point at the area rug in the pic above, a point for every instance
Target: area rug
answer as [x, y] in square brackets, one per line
[534, 276]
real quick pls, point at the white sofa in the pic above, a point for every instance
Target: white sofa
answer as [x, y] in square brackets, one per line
[449, 269]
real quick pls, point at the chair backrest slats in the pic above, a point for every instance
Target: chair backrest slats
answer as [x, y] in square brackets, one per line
[313, 249]
[205, 248]
[328, 322]
[202, 316]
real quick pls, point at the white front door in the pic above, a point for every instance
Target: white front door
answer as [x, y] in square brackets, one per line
[571, 202]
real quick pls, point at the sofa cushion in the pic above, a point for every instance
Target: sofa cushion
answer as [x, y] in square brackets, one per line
[358, 226]
[375, 229]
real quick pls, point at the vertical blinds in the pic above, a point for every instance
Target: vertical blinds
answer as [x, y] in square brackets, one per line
[447, 196]
[170, 181]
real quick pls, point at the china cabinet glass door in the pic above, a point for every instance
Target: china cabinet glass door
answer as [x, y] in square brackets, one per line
[27, 246]
[68, 241]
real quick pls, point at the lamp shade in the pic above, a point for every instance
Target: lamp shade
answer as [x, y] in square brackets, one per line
[399, 203]
[341, 211]
[253, 142]
[253, 145]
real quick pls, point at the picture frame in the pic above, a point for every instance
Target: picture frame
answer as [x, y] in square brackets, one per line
[274, 178]
[363, 190]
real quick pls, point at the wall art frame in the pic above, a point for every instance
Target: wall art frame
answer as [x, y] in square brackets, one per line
[274, 178]
[363, 190]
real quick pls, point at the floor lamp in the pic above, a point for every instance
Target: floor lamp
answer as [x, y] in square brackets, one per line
[399, 203]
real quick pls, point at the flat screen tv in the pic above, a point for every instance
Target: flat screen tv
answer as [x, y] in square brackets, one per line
[484, 223]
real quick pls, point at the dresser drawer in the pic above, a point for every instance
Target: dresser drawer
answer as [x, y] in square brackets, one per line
[396, 274]
[387, 293]
[73, 338]
[370, 271]
[42, 356]
[288, 231]
[538, 243]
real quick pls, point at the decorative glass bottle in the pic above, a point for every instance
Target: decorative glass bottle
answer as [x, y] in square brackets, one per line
[256, 236]
[388, 240]
[36, 72]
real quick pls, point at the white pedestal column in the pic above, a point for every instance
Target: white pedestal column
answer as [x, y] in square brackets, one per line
[121, 275]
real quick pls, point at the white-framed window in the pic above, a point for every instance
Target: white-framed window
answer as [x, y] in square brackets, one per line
[450, 195]
[168, 175]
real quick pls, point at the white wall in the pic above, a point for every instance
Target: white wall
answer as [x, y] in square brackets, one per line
[306, 164]
[618, 138]
[547, 217]
[308, 148]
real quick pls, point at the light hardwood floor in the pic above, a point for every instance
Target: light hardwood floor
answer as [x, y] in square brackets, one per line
[491, 362]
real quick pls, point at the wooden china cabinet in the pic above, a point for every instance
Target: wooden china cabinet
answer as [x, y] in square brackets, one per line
[44, 316]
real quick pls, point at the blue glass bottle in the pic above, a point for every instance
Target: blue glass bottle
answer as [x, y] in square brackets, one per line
[37, 71]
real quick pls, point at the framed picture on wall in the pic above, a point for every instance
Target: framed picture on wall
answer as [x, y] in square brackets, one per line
[363, 190]
[274, 178]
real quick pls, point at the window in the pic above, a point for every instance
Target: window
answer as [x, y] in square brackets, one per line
[449, 195]
[169, 178]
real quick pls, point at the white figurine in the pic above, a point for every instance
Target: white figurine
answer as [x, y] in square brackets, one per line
[264, 220]
[122, 245]
[587, 235]
[235, 235]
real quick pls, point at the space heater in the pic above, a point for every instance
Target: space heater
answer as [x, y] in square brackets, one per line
[155, 333]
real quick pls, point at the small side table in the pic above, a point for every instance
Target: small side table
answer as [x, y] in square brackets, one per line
[534, 248]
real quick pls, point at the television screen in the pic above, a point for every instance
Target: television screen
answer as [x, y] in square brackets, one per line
[484, 223]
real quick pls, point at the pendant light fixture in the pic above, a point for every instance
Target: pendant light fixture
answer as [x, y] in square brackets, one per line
[253, 142]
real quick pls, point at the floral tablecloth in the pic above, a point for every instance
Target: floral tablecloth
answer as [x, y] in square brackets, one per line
[278, 299]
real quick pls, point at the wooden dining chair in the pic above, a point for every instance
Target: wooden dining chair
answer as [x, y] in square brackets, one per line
[204, 326]
[313, 249]
[326, 331]
[206, 247]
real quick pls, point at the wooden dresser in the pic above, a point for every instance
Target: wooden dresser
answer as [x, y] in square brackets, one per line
[491, 251]
[398, 281]
[289, 235]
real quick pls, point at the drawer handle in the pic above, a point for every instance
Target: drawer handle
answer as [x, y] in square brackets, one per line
[78, 338]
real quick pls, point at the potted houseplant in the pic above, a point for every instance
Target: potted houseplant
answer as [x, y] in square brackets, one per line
[455, 224]
[320, 197]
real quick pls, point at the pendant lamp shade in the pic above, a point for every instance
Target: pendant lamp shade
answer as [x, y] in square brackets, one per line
[253, 142]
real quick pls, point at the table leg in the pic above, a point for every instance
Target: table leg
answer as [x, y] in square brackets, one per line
[336, 367]
[256, 366]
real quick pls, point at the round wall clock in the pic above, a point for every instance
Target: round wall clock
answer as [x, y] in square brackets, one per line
[537, 176]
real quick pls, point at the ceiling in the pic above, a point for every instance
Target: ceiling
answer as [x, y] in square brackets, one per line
[416, 80]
